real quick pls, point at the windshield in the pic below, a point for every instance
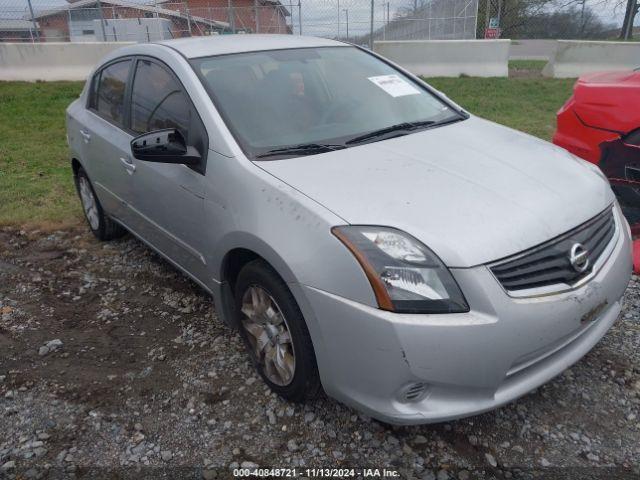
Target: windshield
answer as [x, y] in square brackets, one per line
[280, 103]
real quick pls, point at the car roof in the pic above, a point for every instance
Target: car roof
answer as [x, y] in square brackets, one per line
[194, 47]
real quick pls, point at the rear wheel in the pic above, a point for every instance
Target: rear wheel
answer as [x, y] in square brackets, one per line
[275, 333]
[103, 227]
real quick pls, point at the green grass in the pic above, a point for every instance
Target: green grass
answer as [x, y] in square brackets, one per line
[36, 187]
[527, 104]
[35, 178]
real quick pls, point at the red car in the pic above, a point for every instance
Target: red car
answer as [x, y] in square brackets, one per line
[601, 123]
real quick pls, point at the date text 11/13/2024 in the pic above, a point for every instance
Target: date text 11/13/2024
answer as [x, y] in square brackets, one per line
[315, 472]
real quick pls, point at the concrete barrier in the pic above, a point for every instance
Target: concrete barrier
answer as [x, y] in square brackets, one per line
[449, 58]
[51, 61]
[532, 49]
[574, 58]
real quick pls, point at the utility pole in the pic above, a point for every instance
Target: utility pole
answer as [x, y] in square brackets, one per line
[346, 11]
[33, 20]
[102, 22]
[188, 20]
[338, 19]
[300, 16]
[255, 7]
[489, 4]
[384, 24]
[155, 15]
[371, 29]
[232, 17]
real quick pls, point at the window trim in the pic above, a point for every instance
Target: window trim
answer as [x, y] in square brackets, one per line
[128, 93]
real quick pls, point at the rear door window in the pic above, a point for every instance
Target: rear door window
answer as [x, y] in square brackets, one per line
[109, 95]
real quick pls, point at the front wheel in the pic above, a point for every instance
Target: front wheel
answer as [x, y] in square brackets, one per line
[275, 333]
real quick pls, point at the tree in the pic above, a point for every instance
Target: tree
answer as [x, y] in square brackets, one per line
[557, 18]
[544, 18]
[626, 32]
[572, 22]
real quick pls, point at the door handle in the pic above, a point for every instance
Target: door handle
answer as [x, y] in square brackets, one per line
[128, 165]
[86, 135]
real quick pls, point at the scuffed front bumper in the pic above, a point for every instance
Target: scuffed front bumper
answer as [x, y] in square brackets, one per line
[468, 363]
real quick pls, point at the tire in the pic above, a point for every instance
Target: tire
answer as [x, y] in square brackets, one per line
[304, 381]
[101, 225]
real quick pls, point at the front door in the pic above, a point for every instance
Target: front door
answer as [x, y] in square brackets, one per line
[169, 198]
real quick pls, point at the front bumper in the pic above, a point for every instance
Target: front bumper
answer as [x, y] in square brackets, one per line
[467, 363]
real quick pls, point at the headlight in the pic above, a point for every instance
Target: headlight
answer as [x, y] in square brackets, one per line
[406, 276]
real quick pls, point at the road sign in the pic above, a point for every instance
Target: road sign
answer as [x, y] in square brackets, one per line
[492, 33]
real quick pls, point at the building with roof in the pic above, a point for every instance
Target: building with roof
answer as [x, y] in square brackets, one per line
[245, 16]
[17, 30]
[77, 22]
[122, 20]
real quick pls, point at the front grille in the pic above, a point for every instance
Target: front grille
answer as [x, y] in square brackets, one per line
[549, 263]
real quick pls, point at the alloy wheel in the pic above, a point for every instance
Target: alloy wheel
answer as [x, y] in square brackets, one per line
[268, 335]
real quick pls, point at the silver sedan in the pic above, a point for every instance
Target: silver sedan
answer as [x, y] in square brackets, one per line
[365, 234]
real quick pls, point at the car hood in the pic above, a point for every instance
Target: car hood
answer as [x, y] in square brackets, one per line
[472, 191]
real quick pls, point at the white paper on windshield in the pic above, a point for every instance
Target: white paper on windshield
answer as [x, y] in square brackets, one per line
[394, 85]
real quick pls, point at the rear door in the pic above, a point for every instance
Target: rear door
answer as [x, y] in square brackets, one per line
[107, 152]
[169, 197]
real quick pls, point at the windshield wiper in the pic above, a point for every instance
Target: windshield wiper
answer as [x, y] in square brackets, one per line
[399, 127]
[402, 127]
[303, 149]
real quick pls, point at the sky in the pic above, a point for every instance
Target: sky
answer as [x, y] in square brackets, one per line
[321, 17]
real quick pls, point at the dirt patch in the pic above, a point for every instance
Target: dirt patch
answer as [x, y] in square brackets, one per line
[147, 383]
[518, 72]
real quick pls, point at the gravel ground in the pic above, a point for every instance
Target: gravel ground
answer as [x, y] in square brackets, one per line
[113, 365]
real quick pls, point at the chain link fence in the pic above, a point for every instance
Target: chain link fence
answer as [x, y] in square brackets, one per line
[357, 21]
[125, 20]
[550, 19]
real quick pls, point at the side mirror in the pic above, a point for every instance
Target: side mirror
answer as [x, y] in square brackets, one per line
[164, 146]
